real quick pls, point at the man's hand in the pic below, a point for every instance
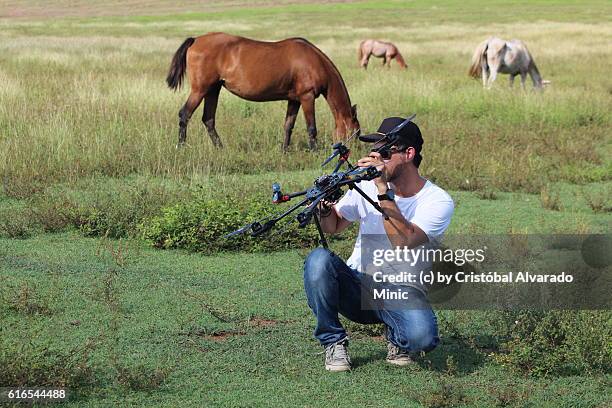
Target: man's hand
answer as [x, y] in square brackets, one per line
[374, 159]
[325, 207]
[331, 221]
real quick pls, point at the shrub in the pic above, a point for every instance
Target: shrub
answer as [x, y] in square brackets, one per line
[559, 342]
[549, 199]
[52, 215]
[111, 209]
[141, 378]
[26, 364]
[201, 225]
[29, 302]
[116, 213]
[446, 394]
[599, 201]
[16, 224]
[486, 194]
[537, 343]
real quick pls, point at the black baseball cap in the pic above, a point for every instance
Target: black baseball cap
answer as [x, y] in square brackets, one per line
[408, 136]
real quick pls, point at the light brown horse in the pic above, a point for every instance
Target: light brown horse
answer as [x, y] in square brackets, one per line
[293, 70]
[380, 49]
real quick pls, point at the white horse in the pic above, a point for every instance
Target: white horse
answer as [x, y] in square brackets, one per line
[495, 55]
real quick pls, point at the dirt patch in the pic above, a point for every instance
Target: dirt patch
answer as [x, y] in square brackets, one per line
[217, 336]
[261, 322]
[222, 335]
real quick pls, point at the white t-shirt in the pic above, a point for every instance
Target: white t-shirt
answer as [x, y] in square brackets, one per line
[430, 209]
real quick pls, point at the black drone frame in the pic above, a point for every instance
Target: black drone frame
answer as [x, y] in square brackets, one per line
[327, 187]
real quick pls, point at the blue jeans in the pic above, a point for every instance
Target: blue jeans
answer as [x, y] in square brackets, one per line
[333, 287]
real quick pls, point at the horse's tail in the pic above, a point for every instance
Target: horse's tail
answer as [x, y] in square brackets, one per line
[400, 60]
[360, 51]
[178, 65]
[477, 60]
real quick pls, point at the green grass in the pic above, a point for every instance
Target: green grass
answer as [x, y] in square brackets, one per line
[120, 207]
[86, 121]
[103, 107]
[135, 325]
[423, 11]
[147, 313]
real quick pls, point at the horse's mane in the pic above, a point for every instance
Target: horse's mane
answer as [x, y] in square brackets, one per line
[329, 62]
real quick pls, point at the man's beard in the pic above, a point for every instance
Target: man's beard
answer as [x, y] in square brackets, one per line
[395, 174]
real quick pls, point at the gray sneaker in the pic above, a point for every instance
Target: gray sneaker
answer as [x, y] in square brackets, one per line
[336, 356]
[396, 355]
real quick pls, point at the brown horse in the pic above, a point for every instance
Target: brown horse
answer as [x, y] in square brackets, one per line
[293, 70]
[380, 49]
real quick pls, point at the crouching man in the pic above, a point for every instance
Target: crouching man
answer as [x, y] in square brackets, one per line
[419, 212]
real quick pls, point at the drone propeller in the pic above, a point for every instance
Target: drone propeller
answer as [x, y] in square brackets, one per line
[340, 148]
[404, 123]
[336, 152]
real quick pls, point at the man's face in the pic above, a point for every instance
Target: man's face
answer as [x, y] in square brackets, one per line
[395, 160]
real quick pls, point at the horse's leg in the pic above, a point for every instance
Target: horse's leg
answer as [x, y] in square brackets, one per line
[308, 106]
[292, 110]
[185, 114]
[210, 109]
[365, 60]
[485, 75]
[511, 80]
[523, 79]
[492, 75]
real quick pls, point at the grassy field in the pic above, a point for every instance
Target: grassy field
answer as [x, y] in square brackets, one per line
[86, 96]
[88, 129]
[131, 325]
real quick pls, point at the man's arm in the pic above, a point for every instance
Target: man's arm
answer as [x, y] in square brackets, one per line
[400, 231]
[331, 221]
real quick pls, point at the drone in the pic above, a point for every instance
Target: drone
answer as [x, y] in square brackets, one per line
[327, 187]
